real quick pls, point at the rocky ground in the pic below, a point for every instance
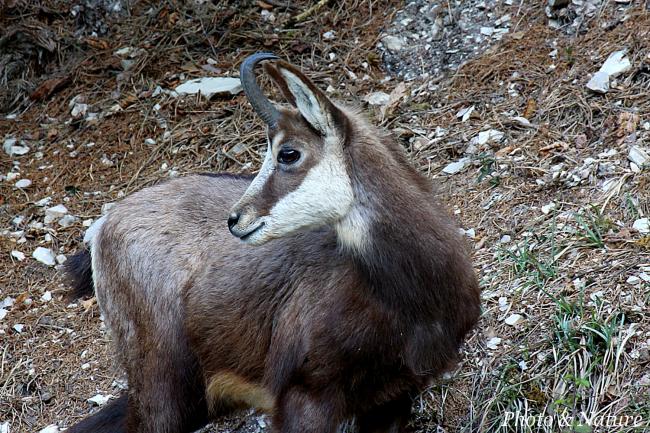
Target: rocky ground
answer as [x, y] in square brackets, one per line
[532, 118]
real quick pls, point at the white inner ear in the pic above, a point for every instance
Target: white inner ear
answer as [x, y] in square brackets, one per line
[307, 103]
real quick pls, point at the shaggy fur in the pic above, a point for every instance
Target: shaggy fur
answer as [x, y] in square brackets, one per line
[346, 319]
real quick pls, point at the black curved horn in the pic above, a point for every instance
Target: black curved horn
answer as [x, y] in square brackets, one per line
[261, 104]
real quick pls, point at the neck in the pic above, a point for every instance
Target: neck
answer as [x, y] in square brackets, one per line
[394, 233]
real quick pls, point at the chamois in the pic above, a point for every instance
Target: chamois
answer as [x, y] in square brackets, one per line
[337, 290]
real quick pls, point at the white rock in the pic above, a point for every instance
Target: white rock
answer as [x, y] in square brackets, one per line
[487, 31]
[377, 98]
[208, 86]
[470, 233]
[57, 211]
[99, 399]
[23, 183]
[493, 343]
[505, 239]
[634, 280]
[67, 220]
[10, 147]
[124, 51]
[4, 427]
[599, 82]
[12, 176]
[50, 429]
[456, 167]
[465, 113]
[43, 202]
[79, 110]
[645, 277]
[61, 259]
[616, 64]
[8, 143]
[18, 255]
[513, 319]
[642, 225]
[44, 255]
[3, 313]
[503, 303]
[393, 43]
[329, 35]
[7, 302]
[149, 141]
[522, 121]
[639, 156]
[47, 296]
[18, 327]
[484, 137]
[87, 222]
[547, 208]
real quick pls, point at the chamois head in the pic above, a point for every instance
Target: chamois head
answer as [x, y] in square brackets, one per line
[303, 183]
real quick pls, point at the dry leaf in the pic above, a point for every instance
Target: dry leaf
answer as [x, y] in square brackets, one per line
[627, 124]
[558, 145]
[49, 87]
[504, 151]
[98, 44]
[88, 303]
[396, 96]
[531, 109]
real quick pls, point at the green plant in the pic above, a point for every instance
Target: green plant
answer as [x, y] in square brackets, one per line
[592, 226]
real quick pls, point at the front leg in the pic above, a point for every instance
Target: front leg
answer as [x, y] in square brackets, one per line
[391, 417]
[302, 411]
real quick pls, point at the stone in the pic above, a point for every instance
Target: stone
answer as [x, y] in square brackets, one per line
[23, 183]
[377, 98]
[484, 137]
[599, 82]
[639, 156]
[209, 86]
[616, 64]
[642, 225]
[67, 220]
[44, 255]
[456, 167]
[99, 399]
[393, 43]
[513, 319]
[18, 255]
[57, 211]
[493, 343]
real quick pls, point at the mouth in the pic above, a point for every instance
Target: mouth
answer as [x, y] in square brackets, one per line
[252, 232]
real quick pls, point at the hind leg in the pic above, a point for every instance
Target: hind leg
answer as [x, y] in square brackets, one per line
[166, 392]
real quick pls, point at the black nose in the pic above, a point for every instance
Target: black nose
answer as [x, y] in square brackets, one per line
[233, 219]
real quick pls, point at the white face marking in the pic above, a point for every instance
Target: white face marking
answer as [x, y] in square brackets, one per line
[324, 197]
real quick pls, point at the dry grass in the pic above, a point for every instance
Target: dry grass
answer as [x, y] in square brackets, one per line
[583, 342]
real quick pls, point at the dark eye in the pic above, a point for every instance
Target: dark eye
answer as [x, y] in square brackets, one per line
[288, 156]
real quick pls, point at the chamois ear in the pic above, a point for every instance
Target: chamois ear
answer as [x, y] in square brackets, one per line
[311, 102]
